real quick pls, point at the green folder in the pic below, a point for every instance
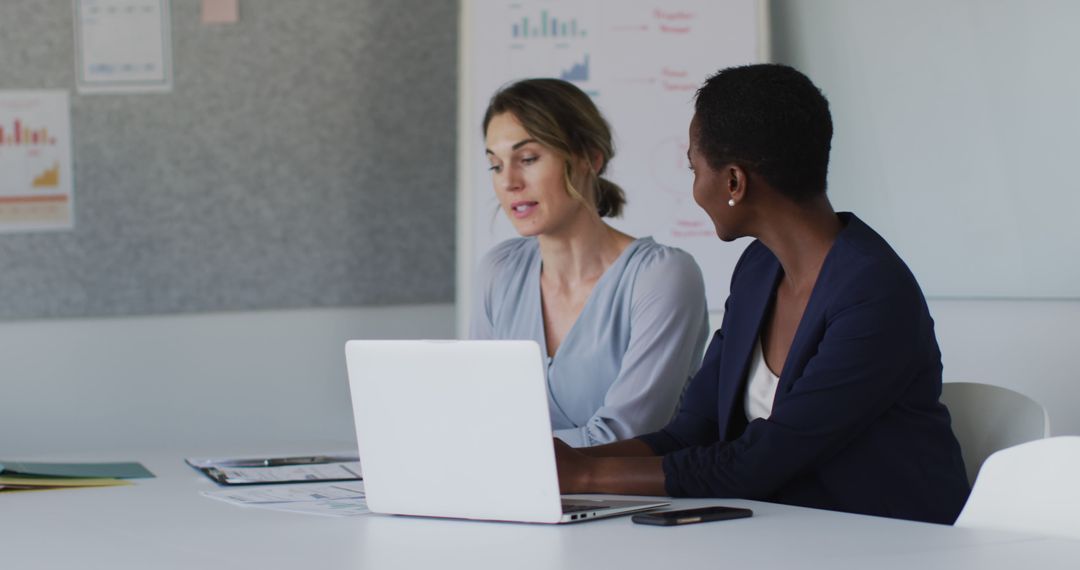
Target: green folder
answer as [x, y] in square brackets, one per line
[125, 470]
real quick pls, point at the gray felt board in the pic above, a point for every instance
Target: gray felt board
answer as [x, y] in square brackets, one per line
[304, 158]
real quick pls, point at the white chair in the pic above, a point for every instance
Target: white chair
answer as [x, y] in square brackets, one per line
[1031, 487]
[987, 418]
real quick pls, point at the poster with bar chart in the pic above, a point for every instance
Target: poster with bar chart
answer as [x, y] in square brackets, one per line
[36, 190]
[641, 62]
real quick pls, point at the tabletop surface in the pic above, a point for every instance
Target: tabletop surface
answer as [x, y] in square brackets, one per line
[165, 523]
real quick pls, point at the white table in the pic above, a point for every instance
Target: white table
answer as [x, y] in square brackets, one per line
[164, 523]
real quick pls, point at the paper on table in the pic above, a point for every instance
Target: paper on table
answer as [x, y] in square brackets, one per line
[332, 508]
[279, 473]
[289, 493]
[222, 462]
[56, 482]
[327, 499]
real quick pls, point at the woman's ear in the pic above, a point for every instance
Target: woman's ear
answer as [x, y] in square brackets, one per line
[596, 162]
[736, 180]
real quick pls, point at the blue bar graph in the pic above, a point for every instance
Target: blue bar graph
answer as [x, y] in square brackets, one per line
[547, 27]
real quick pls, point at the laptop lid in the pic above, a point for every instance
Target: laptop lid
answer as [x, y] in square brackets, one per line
[454, 429]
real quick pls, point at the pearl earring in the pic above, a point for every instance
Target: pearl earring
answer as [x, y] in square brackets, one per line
[731, 202]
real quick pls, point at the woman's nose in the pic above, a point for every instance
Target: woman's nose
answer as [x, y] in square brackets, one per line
[511, 180]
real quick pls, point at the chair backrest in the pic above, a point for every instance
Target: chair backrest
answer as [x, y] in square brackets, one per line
[987, 418]
[1031, 487]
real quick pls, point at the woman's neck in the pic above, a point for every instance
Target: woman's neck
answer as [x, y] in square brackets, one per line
[801, 235]
[581, 252]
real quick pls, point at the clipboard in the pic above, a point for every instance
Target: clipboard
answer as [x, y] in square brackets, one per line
[276, 470]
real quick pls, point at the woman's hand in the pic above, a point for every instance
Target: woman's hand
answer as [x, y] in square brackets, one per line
[574, 468]
[623, 472]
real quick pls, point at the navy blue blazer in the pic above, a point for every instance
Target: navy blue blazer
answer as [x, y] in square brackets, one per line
[856, 423]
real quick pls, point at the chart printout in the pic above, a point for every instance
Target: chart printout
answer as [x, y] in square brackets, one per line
[36, 185]
[123, 46]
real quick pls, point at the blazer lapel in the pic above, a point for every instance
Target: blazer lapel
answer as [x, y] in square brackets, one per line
[756, 288]
[809, 328]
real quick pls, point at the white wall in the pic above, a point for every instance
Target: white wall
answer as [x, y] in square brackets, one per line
[957, 117]
[223, 380]
[889, 67]
[1028, 346]
[242, 380]
[236, 379]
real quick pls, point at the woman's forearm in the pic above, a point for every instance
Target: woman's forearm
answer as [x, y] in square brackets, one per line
[626, 476]
[630, 469]
[624, 448]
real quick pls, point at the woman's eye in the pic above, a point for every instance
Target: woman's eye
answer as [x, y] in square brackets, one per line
[529, 159]
[494, 168]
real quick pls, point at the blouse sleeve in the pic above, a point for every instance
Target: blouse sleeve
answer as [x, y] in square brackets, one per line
[669, 324]
[865, 361]
[696, 423]
[481, 323]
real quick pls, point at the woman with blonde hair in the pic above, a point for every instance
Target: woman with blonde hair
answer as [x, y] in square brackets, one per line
[622, 320]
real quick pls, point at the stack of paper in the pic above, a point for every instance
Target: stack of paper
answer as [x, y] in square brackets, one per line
[344, 466]
[343, 499]
[26, 476]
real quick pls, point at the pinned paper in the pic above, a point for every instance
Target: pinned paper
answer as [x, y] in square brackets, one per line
[123, 46]
[36, 187]
[220, 11]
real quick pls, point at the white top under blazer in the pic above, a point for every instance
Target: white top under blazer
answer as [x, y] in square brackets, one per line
[760, 386]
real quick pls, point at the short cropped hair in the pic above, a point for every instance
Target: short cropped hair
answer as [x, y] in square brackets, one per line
[771, 120]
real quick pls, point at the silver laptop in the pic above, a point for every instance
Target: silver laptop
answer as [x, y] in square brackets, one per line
[460, 429]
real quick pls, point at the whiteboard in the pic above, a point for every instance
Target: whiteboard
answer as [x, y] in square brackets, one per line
[641, 62]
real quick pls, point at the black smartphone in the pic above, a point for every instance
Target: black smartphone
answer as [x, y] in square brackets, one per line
[691, 516]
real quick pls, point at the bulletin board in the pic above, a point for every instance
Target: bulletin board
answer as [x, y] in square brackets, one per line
[304, 157]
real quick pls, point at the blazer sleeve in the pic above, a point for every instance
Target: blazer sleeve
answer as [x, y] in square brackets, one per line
[865, 360]
[669, 325]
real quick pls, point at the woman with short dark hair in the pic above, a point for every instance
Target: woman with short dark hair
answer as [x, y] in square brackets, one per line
[821, 388]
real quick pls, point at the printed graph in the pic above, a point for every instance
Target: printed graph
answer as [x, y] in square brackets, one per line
[20, 135]
[546, 26]
[36, 190]
[577, 71]
[48, 179]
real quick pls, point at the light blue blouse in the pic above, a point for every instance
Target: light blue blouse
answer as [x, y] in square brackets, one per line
[621, 369]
